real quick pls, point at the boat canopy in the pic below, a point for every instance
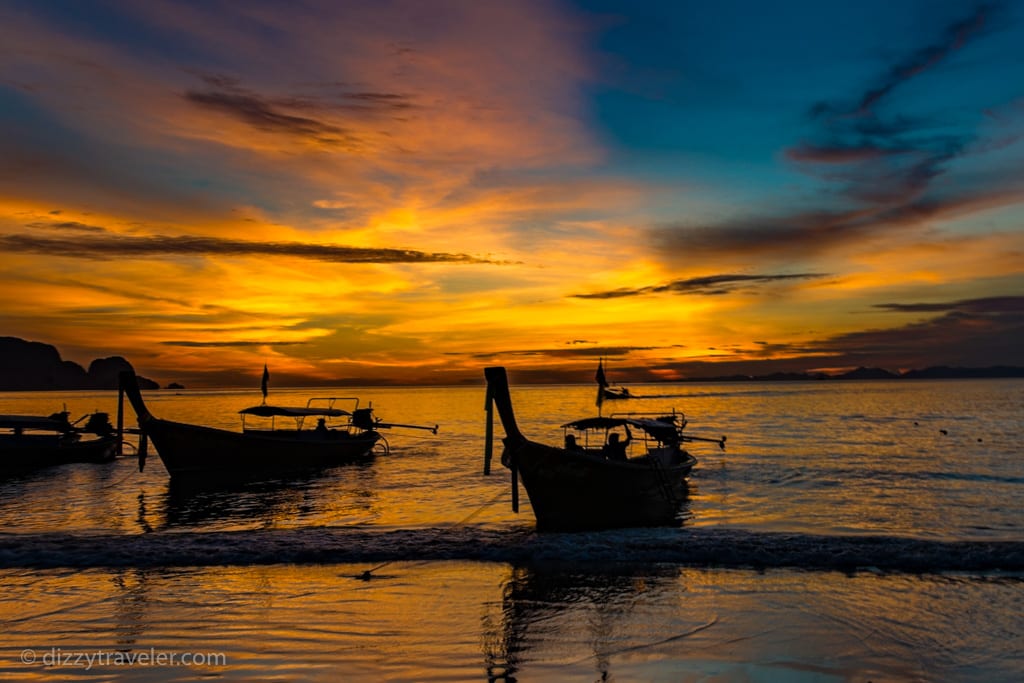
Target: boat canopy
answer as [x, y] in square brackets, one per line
[665, 430]
[282, 411]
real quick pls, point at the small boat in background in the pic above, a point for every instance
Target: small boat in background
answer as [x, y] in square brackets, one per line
[598, 483]
[615, 393]
[30, 442]
[606, 392]
[186, 450]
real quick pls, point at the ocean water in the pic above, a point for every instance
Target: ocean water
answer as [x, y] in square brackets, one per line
[851, 531]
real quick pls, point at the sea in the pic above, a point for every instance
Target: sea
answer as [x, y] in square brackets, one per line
[849, 531]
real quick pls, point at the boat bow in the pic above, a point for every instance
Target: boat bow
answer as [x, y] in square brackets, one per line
[130, 386]
[497, 389]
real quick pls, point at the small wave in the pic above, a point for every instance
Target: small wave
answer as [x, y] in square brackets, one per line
[840, 474]
[966, 476]
[334, 545]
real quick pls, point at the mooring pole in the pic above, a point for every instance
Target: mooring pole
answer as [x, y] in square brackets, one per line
[515, 484]
[143, 448]
[489, 430]
[120, 419]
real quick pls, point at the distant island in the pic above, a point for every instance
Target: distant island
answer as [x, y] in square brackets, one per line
[34, 366]
[937, 372]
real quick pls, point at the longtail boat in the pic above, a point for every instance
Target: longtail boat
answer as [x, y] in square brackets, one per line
[30, 442]
[606, 392]
[597, 483]
[189, 450]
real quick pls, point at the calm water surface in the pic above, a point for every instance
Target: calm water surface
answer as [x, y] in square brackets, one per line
[829, 525]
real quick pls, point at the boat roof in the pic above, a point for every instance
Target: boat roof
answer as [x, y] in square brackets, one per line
[663, 430]
[32, 422]
[284, 411]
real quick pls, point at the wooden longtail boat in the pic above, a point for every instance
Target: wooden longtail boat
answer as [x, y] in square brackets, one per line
[29, 442]
[606, 392]
[188, 450]
[579, 487]
[614, 393]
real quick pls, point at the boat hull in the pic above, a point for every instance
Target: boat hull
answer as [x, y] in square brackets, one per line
[35, 451]
[571, 491]
[195, 451]
[615, 394]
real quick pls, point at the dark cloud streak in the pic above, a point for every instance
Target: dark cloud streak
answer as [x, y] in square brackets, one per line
[122, 246]
[954, 38]
[220, 344]
[833, 155]
[995, 304]
[592, 352]
[264, 115]
[73, 226]
[709, 285]
[296, 116]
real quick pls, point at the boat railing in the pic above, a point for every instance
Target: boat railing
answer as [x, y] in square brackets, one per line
[678, 414]
[675, 417]
[325, 403]
[643, 440]
[331, 400]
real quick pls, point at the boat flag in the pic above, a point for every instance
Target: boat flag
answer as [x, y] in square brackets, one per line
[601, 382]
[266, 380]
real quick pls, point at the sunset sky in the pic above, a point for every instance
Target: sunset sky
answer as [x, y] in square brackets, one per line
[406, 192]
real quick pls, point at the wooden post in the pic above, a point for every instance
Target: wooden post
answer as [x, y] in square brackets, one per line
[489, 431]
[498, 393]
[515, 484]
[143, 447]
[120, 419]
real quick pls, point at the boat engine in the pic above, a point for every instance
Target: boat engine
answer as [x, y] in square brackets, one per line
[363, 418]
[99, 424]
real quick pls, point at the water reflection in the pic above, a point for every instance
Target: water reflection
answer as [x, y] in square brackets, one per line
[562, 608]
[338, 493]
[131, 606]
[543, 622]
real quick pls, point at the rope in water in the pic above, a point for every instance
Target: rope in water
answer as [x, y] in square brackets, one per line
[368, 574]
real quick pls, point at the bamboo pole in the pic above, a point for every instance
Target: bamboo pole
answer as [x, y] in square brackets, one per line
[489, 431]
[515, 484]
[143, 447]
[120, 419]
